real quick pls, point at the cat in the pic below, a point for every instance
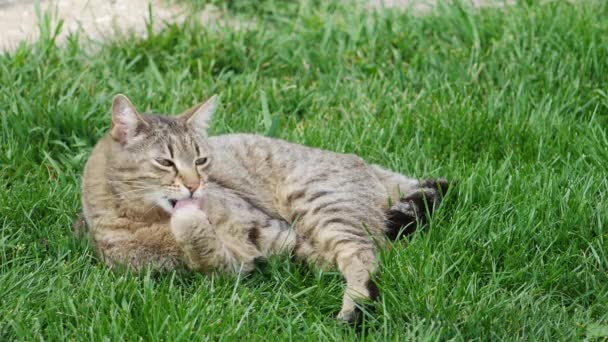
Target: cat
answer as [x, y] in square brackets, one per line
[340, 207]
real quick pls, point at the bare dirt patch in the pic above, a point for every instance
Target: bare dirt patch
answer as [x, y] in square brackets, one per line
[95, 19]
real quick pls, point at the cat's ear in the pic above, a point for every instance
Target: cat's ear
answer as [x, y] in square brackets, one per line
[200, 115]
[126, 121]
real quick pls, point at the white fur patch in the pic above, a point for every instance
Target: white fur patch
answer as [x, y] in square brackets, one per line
[184, 220]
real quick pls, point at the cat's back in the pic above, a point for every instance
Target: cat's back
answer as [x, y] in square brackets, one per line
[264, 160]
[243, 142]
[273, 171]
[273, 149]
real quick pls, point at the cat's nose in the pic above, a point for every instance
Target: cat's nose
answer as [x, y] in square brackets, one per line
[192, 187]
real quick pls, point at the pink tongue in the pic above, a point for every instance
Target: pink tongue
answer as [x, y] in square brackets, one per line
[186, 203]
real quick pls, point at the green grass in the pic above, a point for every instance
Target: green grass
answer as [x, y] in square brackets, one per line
[513, 103]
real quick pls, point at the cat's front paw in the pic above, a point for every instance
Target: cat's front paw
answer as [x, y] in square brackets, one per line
[187, 218]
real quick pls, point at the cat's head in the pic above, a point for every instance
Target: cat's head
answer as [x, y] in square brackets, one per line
[157, 160]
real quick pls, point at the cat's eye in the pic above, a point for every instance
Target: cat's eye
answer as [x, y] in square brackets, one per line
[164, 162]
[201, 161]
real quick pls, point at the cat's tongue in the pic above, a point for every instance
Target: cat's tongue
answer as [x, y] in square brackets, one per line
[186, 203]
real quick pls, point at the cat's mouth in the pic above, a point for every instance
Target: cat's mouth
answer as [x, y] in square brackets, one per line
[177, 204]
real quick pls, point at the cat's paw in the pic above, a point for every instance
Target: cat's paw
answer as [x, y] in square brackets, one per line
[186, 219]
[349, 316]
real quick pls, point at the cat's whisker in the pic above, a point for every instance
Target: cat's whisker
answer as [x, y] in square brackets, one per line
[118, 196]
[155, 206]
[142, 184]
[126, 181]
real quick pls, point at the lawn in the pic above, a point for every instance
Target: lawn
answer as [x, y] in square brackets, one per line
[512, 102]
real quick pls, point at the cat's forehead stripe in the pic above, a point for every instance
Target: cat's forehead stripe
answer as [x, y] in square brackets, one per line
[173, 136]
[170, 148]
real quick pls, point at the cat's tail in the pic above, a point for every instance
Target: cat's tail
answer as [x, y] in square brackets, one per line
[411, 210]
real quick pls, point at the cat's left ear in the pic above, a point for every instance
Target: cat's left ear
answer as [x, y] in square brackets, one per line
[200, 115]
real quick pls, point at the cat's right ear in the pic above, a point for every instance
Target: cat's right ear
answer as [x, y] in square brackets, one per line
[126, 121]
[200, 115]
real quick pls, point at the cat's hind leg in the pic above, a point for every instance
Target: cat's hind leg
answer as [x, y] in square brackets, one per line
[358, 267]
[346, 243]
[121, 243]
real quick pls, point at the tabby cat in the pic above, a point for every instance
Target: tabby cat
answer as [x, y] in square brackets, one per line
[158, 191]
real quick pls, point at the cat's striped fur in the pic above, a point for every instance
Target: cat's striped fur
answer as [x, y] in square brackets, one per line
[337, 204]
